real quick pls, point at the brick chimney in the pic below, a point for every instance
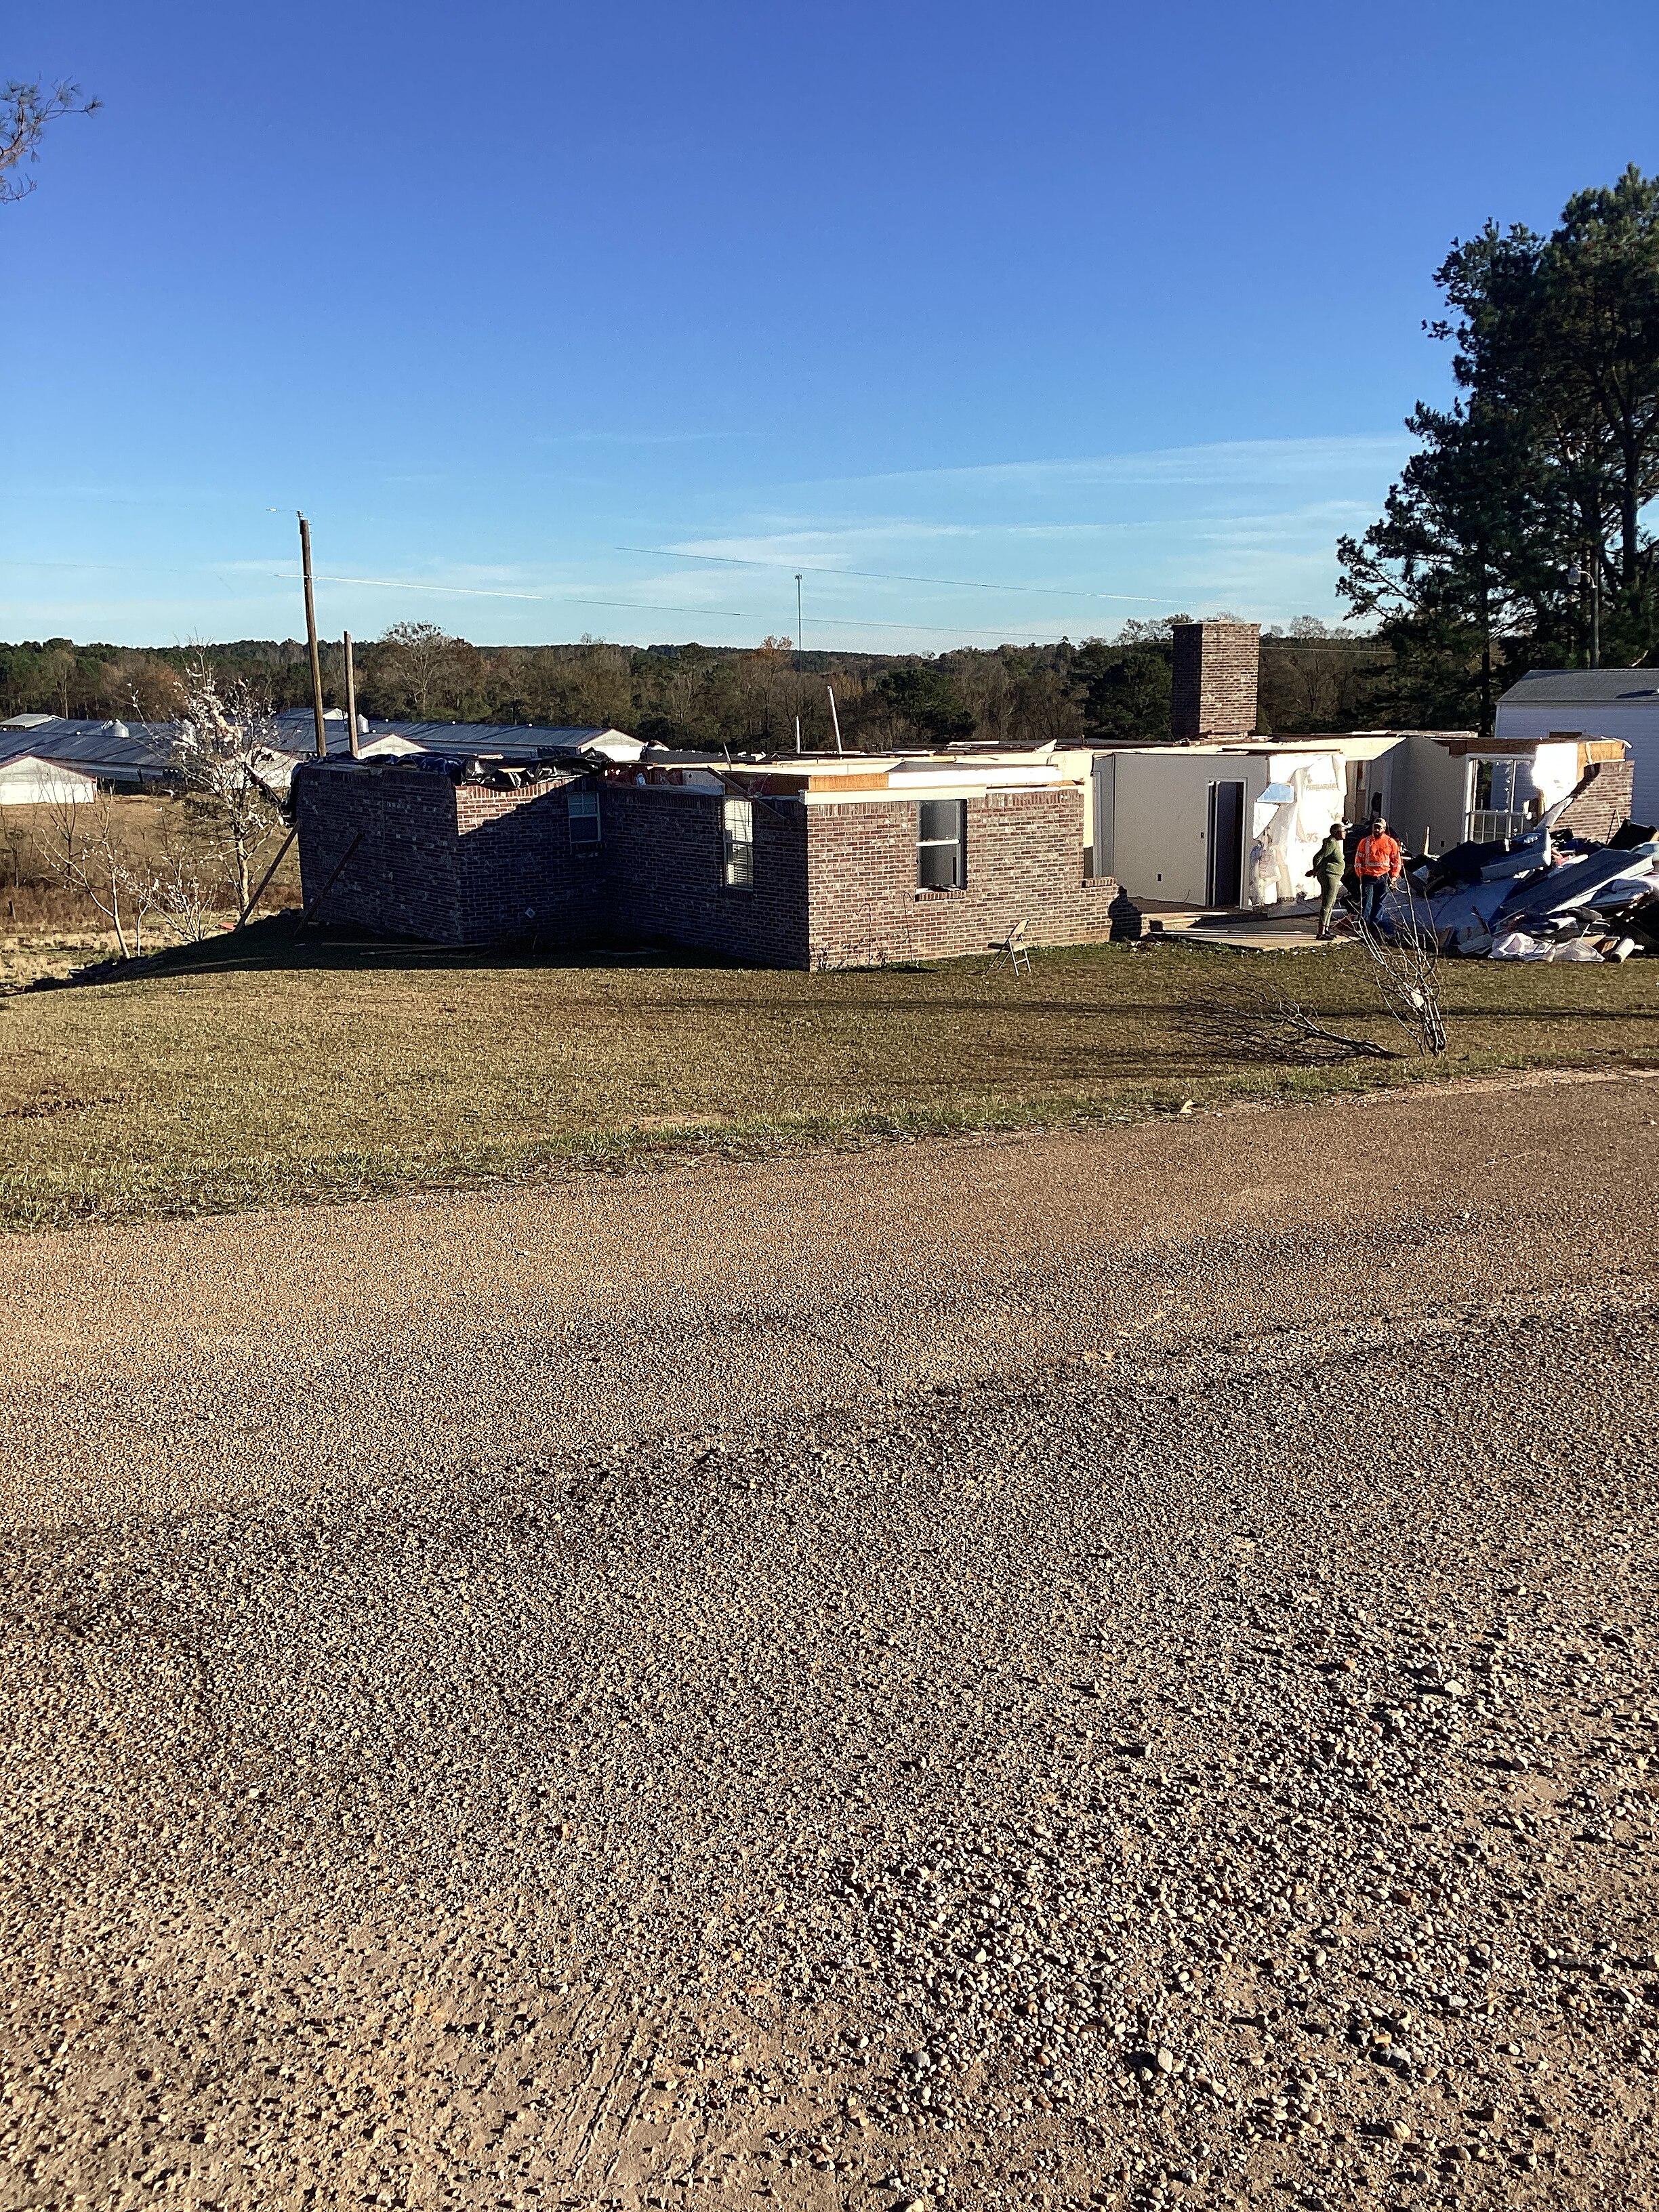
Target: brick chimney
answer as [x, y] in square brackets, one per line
[1213, 694]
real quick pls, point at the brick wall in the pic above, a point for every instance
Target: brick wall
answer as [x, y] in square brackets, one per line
[833, 886]
[1213, 679]
[518, 873]
[1025, 864]
[1601, 801]
[411, 854]
[666, 860]
[380, 851]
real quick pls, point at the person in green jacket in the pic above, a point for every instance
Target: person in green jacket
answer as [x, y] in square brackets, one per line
[1328, 866]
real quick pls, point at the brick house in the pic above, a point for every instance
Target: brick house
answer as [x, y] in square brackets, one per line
[801, 861]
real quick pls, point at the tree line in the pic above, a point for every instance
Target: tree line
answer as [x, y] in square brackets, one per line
[1314, 676]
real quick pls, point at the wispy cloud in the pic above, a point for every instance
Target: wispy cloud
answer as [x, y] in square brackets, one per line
[1233, 461]
[640, 437]
[904, 557]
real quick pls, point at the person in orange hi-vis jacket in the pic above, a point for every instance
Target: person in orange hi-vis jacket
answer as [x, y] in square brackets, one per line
[1378, 862]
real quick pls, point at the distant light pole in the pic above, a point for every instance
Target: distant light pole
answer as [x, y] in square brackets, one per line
[799, 647]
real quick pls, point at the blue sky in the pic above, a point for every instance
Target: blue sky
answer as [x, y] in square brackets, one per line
[995, 322]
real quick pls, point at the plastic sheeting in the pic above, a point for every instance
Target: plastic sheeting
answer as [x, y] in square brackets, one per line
[1290, 821]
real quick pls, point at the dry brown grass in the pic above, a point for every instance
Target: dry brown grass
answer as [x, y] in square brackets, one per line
[249, 1070]
[35, 904]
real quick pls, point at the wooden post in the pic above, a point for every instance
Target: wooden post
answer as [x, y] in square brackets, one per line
[311, 643]
[264, 880]
[338, 871]
[351, 698]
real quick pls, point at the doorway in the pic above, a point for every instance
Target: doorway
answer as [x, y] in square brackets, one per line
[1225, 874]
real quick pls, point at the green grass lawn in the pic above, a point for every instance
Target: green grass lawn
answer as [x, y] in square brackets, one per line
[247, 1073]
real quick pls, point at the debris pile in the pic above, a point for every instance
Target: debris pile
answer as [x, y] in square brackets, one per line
[1545, 896]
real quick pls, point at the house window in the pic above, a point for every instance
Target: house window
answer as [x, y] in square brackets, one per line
[942, 845]
[584, 818]
[737, 843]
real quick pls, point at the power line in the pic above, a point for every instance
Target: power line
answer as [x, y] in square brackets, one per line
[542, 599]
[640, 606]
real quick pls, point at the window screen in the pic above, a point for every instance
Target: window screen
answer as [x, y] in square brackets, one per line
[584, 817]
[737, 840]
[1504, 799]
[1503, 784]
[942, 844]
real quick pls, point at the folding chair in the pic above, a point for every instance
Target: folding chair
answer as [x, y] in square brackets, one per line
[1014, 950]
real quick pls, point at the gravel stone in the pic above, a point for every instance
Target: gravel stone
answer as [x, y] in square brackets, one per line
[1034, 1783]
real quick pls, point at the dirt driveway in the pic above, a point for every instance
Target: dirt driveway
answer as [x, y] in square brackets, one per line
[1105, 1669]
[169, 1366]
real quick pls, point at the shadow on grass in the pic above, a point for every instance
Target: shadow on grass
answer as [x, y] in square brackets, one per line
[277, 944]
[969, 988]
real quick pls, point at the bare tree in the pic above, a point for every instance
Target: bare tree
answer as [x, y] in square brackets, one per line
[183, 892]
[25, 111]
[229, 766]
[989, 689]
[1406, 964]
[1044, 713]
[1271, 1025]
[87, 852]
[139, 685]
[412, 663]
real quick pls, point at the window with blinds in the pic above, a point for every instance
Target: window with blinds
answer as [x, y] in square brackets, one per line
[737, 843]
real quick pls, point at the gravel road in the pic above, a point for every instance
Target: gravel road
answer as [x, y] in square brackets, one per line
[1107, 1669]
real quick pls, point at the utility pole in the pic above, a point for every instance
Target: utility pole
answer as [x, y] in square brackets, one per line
[311, 643]
[799, 633]
[351, 698]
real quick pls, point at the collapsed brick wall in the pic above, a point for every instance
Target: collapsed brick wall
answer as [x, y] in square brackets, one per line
[1213, 679]
[1025, 865]
[1601, 801]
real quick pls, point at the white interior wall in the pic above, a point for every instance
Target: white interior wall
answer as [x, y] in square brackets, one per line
[1377, 769]
[1075, 764]
[1102, 804]
[1434, 797]
[1160, 811]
